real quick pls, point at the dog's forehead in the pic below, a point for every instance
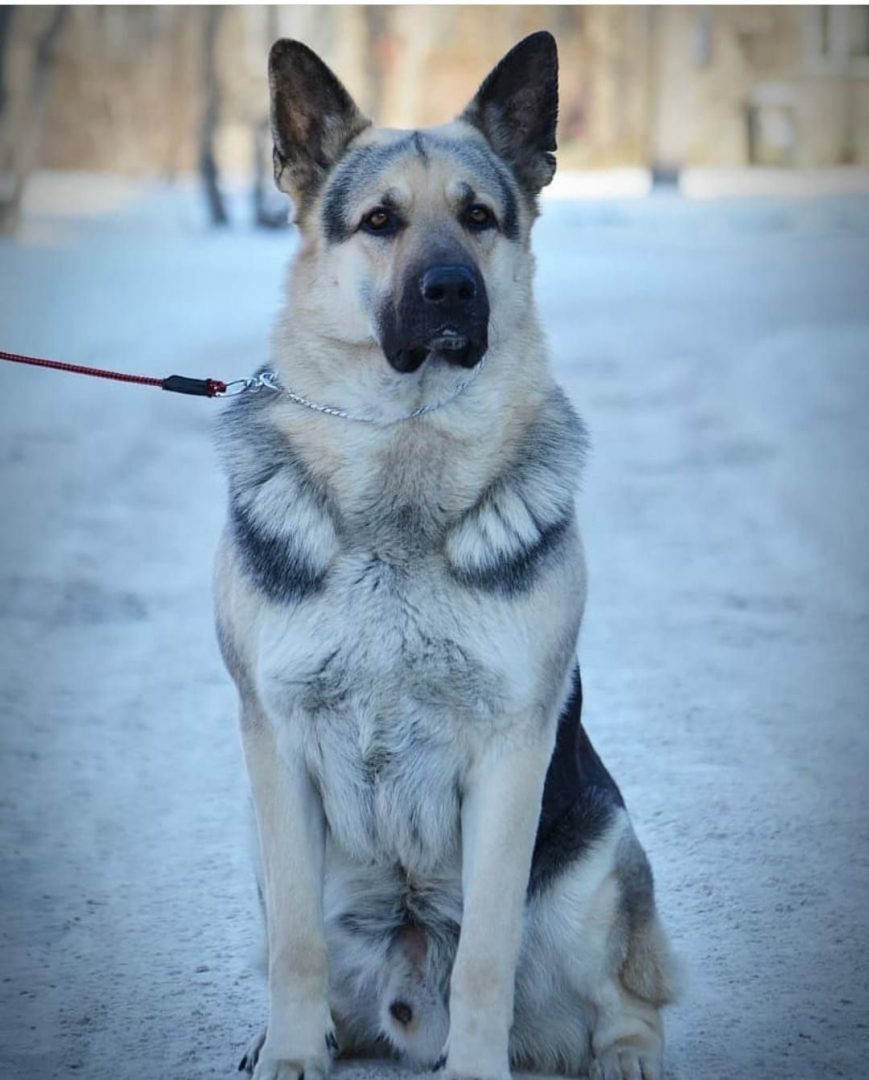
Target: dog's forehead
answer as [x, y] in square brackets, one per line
[452, 160]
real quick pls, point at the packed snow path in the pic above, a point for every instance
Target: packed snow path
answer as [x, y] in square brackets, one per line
[720, 356]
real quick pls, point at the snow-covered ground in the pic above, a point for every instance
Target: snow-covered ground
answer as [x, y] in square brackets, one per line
[720, 355]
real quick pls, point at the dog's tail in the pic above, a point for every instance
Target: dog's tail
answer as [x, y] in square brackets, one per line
[413, 1008]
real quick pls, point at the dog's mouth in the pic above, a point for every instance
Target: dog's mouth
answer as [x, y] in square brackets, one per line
[447, 344]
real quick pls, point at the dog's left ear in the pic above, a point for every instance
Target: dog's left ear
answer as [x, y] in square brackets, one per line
[313, 117]
[516, 108]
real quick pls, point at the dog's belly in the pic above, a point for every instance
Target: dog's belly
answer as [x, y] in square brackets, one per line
[388, 696]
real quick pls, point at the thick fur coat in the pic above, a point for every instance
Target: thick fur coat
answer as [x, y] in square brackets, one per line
[448, 870]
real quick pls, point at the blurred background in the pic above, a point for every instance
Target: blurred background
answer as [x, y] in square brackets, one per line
[703, 278]
[165, 92]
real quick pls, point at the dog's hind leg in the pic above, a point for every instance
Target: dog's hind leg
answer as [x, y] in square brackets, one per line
[300, 1036]
[595, 968]
[626, 971]
[628, 1035]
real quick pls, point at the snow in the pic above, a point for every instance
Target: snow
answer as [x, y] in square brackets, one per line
[719, 352]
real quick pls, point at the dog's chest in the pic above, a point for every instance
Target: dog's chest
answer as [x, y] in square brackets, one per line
[390, 674]
[388, 694]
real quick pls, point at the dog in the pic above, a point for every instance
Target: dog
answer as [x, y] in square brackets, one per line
[448, 872]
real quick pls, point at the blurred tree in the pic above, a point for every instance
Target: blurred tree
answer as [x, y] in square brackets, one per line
[5, 37]
[270, 207]
[28, 49]
[167, 91]
[208, 171]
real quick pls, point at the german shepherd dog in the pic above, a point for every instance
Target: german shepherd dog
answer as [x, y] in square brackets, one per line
[448, 873]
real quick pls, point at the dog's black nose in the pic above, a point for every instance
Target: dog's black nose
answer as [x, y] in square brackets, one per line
[448, 286]
[402, 1012]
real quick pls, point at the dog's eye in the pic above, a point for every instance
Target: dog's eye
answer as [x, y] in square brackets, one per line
[380, 221]
[478, 217]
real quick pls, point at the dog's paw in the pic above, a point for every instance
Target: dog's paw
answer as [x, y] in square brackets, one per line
[449, 1073]
[264, 1064]
[626, 1062]
[269, 1068]
[287, 1070]
[448, 1067]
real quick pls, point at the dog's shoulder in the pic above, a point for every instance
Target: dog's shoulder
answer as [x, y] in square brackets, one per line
[527, 511]
[282, 521]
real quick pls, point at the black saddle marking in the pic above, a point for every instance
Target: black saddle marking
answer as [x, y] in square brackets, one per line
[579, 797]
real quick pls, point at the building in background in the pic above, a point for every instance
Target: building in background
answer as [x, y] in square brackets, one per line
[167, 91]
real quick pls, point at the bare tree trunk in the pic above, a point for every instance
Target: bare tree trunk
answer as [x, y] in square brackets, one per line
[270, 209]
[23, 99]
[211, 112]
[6, 14]
[377, 21]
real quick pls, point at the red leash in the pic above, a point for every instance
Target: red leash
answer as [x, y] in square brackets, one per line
[176, 384]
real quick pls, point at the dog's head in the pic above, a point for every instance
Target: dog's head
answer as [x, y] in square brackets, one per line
[415, 240]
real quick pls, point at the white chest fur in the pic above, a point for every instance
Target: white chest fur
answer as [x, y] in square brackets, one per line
[388, 682]
[408, 605]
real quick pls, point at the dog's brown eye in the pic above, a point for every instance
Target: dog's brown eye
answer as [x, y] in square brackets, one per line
[378, 221]
[479, 217]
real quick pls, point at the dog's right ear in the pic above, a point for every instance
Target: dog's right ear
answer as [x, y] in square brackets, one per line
[313, 118]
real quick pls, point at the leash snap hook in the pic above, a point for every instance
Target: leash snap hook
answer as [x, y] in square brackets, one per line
[264, 381]
[240, 386]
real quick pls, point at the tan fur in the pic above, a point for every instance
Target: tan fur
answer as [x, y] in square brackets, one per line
[399, 709]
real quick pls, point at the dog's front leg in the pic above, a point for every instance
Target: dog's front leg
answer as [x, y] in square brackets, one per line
[500, 812]
[292, 835]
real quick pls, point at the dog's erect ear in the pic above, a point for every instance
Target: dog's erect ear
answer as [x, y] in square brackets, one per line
[313, 117]
[516, 108]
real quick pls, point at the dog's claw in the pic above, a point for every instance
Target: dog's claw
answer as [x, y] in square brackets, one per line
[439, 1064]
[249, 1058]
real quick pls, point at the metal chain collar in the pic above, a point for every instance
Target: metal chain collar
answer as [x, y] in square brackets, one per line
[268, 380]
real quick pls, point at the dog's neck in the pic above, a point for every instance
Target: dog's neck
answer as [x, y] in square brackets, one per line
[433, 466]
[352, 380]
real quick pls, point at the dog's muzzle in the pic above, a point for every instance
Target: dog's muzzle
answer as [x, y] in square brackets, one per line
[443, 312]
